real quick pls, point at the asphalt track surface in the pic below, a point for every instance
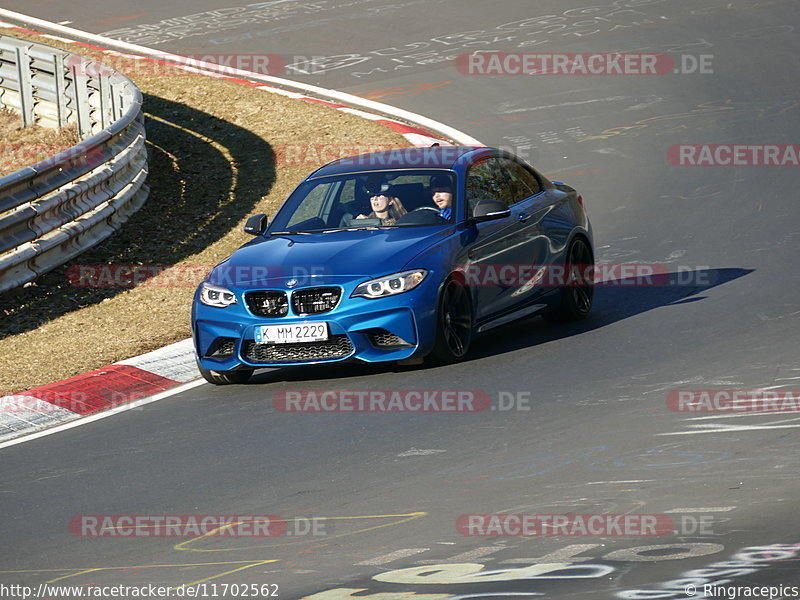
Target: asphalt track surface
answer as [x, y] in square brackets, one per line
[598, 436]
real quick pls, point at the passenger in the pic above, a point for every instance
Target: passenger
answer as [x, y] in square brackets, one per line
[385, 207]
[442, 192]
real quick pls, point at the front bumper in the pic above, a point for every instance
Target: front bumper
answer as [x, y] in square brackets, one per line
[370, 330]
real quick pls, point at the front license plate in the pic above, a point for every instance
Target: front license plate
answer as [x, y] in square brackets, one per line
[291, 334]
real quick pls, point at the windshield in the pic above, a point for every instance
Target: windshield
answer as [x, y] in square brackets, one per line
[378, 199]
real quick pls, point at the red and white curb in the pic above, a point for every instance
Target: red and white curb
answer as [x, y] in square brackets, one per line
[130, 381]
[89, 393]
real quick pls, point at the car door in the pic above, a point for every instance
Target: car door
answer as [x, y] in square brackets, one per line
[499, 247]
[550, 225]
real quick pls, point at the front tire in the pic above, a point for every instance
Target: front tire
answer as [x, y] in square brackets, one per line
[576, 300]
[225, 377]
[453, 324]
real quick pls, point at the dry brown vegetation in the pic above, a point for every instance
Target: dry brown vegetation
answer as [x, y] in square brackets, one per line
[21, 147]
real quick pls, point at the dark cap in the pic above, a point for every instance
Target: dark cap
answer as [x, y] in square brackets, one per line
[441, 181]
[378, 189]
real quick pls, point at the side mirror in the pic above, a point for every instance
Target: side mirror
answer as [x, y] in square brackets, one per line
[490, 210]
[256, 225]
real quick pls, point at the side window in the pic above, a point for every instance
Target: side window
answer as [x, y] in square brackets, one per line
[487, 180]
[523, 182]
[348, 192]
[311, 206]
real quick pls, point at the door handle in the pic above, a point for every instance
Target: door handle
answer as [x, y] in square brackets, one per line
[523, 217]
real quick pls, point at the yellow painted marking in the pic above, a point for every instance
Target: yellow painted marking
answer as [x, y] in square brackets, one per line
[73, 575]
[203, 564]
[246, 564]
[320, 540]
[263, 562]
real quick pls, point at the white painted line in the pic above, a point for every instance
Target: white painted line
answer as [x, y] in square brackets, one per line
[503, 595]
[701, 509]
[566, 554]
[549, 106]
[104, 414]
[419, 452]
[468, 556]
[387, 558]
[711, 428]
[744, 414]
[623, 481]
[346, 98]
[769, 388]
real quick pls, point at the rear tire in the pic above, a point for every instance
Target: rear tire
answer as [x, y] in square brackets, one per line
[453, 324]
[225, 377]
[576, 300]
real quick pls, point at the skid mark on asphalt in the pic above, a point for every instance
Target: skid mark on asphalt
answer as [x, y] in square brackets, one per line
[399, 91]
[115, 20]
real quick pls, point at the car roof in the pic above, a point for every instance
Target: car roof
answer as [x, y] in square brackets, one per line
[431, 157]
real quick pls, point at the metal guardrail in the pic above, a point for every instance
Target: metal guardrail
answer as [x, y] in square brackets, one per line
[59, 207]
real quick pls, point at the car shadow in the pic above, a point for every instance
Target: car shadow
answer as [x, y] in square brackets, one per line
[614, 301]
[205, 174]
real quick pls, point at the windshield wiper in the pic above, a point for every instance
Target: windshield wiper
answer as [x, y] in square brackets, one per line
[291, 232]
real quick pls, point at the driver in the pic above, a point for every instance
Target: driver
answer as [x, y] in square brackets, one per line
[385, 207]
[442, 192]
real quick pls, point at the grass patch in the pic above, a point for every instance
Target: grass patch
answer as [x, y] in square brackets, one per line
[212, 155]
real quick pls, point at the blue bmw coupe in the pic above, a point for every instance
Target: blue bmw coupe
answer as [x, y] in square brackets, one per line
[394, 256]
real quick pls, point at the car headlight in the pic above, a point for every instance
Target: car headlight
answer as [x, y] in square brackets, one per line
[214, 295]
[390, 285]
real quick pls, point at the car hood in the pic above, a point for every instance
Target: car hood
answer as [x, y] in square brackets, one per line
[322, 258]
